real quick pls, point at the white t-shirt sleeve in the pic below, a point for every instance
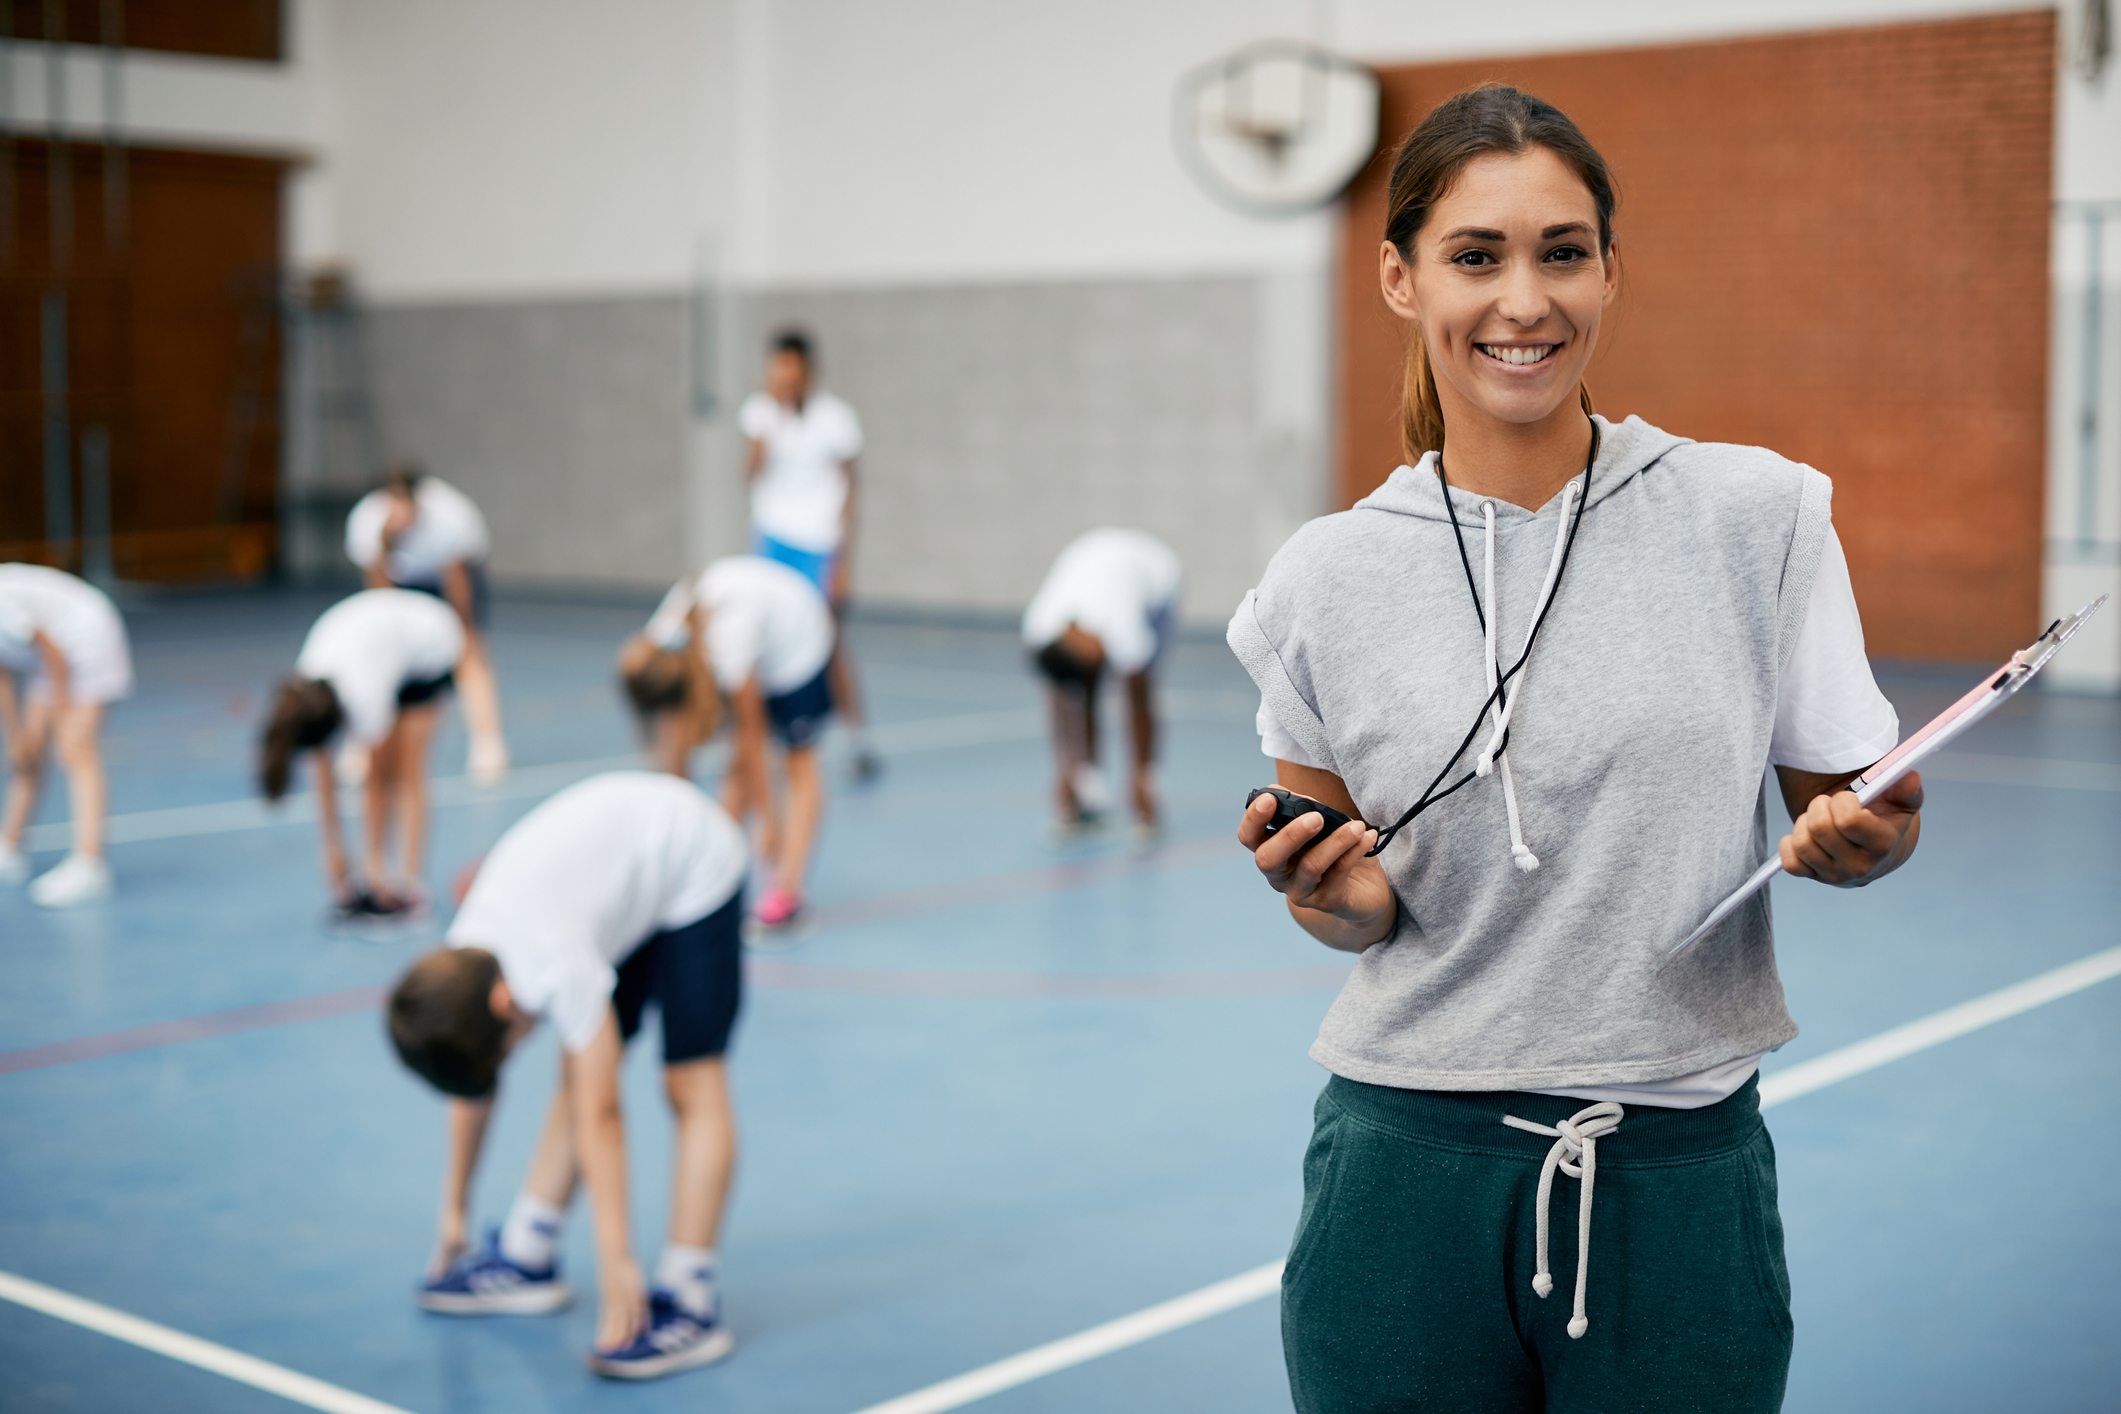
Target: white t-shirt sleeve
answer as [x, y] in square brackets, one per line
[364, 529]
[581, 995]
[668, 626]
[1130, 641]
[1830, 716]
[756, 417]
[846, 432]
[1275, 742]
[451, 525]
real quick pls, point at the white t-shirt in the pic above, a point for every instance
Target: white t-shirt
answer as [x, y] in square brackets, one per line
[375, 642]
[78, 618]
[762, 617]
[1113, 584]
[1830, 717]
[594, 872]
[801, 490]
[446, 529]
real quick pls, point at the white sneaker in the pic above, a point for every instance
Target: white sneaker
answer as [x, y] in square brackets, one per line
[14, 865]
[488, 765]
[78, 879]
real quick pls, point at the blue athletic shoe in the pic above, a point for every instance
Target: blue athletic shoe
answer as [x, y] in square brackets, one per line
[488, 1284]
[674, 1341]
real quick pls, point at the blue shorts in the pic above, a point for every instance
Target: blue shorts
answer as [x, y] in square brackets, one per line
[813, 565]
[799, 716]
[481, 604]
[695, 976]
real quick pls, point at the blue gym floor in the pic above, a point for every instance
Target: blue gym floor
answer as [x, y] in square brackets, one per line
[998, 1092]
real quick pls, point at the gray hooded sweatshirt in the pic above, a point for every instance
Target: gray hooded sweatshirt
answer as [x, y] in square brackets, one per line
[1638, 747]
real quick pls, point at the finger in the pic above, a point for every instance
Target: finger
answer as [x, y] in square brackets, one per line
[1311, 869]
[1861, 826]
[1277, 854]
[1905, 793]
[1791, 862]
[1252, 825]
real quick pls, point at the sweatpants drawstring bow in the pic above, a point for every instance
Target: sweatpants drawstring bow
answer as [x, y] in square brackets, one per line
[1574, 1138]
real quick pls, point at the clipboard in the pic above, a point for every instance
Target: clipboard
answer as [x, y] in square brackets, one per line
[1992, 691]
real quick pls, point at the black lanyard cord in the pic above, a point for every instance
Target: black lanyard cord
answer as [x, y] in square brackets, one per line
[1432, 795]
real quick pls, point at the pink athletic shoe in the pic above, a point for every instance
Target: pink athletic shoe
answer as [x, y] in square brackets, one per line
[778, 908]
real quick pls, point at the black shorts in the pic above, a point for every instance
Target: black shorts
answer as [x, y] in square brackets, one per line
[695, 975]
[424, 690]
[481, 601]
[799, 716]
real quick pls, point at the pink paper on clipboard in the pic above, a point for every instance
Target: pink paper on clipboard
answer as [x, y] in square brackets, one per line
[1989, 694]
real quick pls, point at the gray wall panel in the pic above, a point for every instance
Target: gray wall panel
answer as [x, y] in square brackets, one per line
[565, 420]
[1001, 421]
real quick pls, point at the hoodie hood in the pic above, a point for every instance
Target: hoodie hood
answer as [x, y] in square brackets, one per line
[1625, 449]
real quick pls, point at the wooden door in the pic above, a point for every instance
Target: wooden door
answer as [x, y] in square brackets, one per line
[139, 332]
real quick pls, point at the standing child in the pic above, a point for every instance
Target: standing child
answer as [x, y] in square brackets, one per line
[377, 664]
[759, 632]
[65, 636]
[800, 462]
[619, 891]
[419, 532]
[1108, 601]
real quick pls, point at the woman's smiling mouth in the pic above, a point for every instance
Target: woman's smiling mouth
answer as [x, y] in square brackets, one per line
[1517, 353]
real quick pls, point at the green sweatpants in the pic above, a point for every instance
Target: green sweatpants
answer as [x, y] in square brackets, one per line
[1409, 1285]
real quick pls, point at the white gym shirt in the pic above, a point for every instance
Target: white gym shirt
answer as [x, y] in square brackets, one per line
[580, 882]
[1113, 584]
[1830, 717]
[762, 617]
[373, 643]
[446, 529]
[801, 490]
[82, 624]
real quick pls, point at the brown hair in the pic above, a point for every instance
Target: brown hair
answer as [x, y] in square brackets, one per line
[658, 679]
[304, 715]
[442, 1023]
[1492, 117]
[402, 478]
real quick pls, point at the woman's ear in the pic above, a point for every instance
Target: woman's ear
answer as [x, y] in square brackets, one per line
[1612, 277]
[1396, 281]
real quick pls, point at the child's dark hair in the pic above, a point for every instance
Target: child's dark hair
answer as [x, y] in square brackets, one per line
[656, 680]
[443, 1025]
[402, 478]
[1063, 667]
[793, 341]
[304, 715]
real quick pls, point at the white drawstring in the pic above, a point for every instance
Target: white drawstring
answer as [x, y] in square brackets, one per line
[1494, 751]
[1575, 1137]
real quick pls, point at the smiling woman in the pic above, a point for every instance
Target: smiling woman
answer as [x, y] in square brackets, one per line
[1693, 622]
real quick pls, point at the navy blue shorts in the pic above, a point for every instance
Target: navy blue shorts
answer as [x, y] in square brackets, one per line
[799, 717]
[695, 976]
[424, 690]
[481, 600]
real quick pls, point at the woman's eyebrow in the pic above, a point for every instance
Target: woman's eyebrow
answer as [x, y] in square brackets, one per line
[1477, 233]
[1565, 229]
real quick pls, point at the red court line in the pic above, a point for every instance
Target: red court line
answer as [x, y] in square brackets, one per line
[195, 1028]
[772, 972]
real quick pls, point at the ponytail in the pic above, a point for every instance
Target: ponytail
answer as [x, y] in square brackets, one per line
[1421, 411]
[305, 713]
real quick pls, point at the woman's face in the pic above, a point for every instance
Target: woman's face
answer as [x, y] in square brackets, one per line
[1507, 284]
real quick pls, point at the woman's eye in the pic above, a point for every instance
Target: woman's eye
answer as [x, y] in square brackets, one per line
[1472, 259]
[1568, 254]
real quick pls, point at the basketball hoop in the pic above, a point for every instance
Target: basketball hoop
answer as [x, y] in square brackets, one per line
[1277, 127]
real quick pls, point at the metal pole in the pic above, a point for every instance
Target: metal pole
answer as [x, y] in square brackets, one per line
[2088, 415]
[115, 210]
[97, 566]
[58, 437]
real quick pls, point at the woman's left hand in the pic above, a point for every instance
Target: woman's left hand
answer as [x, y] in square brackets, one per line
[1839, 842]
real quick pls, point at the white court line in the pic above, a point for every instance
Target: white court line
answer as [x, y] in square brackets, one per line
[1783, 1086]
[244, 1369]
[1157, 1320]
[1937, 1028]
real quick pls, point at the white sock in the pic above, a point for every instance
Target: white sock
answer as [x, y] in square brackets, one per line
[687, 1273]
[531, 1235]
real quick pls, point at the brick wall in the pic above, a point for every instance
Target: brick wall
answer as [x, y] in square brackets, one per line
[1832, 244]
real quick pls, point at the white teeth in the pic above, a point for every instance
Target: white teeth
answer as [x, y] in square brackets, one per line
[1511, 354]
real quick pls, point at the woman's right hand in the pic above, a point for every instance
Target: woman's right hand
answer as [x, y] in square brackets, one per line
[1335, 890]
